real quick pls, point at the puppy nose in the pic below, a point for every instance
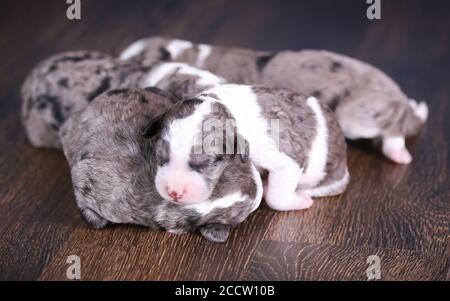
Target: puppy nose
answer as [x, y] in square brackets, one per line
[174, 194]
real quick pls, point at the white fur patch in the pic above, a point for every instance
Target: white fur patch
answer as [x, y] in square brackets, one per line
[259, 188]
[224, 202]
[420, 109]
[243, 105]
[317, 159]
[205, 78]
[177, 47]
[182, 133]
[393, 143]
[331, 189]
[133, 50]
[204, 52]
[232, 199]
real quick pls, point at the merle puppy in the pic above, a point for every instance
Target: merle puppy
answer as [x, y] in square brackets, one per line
[296, 139]
[113, 168]
[367, 103]
[68, 82]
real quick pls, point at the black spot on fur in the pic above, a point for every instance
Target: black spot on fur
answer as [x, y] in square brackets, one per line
[85, 155]
[164, 54]
[262, 61]
[52, 68]
[104, 86]
[43, 101]
[157, 91]
[86, 190]
[317, 94]
[333, 102]
[377, 114]
[142, 99]
[64, 82]
[54, 126]
[117, 92]
[162, 93]
[335, 66]
[74, 59]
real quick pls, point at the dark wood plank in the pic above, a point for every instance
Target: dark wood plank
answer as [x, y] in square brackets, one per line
[399, 213]
[132, 253]
[300, 261]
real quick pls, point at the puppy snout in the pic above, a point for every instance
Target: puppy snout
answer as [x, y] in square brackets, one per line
[175, 194]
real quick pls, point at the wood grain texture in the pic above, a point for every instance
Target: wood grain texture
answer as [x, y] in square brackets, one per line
[300, 261]
[400, 213]
[132, 253]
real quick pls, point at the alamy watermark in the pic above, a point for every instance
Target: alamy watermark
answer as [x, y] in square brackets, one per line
[218, 137]
[73, 272]
[374, 10]
[73, 10]
[373, 272]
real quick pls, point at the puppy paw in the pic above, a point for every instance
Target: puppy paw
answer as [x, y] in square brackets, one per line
[399, 156]
[295, 201]
[303, 201]
[216, 233]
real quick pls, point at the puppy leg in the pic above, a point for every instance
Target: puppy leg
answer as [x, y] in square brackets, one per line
[281, 192]
[394, 148]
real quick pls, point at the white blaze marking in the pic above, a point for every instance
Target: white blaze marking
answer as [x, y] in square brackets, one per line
[177, 47]
[205, 78]
[182, 133]
[315, 171]
[203, 54]
[132, 50]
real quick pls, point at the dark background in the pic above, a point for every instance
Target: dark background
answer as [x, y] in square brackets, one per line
[400, 213]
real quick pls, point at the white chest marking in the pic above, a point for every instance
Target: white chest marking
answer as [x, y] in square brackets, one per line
[205, 78]
[177, 47]
[204, 52]
[315, 171]
[133, 50]
[224, 202]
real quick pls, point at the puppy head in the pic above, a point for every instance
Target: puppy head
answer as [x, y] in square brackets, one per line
[194, 142]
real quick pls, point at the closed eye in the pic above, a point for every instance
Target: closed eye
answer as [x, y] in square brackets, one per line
[163, 161]
[199, 167]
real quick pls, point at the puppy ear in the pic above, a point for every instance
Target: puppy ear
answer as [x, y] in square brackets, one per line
[93, 219]
[216, 233]
[154, 126]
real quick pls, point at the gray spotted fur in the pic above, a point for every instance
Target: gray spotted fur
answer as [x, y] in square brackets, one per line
[68, 82]
[361, 95]
[297, 130]
[113, 169]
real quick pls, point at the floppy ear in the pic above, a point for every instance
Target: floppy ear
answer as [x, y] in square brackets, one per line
[93, 219]
[154, 126]
[217, 233]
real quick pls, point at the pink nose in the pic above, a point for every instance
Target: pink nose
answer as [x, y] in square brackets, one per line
[174, 194]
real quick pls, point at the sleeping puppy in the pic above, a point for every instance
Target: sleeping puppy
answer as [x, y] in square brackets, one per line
[297, 140]
[113, 171]
[367, 103]
[68, 82]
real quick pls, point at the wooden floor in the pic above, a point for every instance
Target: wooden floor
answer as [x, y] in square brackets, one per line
[401, 214]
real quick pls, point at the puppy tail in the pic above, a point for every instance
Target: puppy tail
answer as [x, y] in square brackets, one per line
[416, 117]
